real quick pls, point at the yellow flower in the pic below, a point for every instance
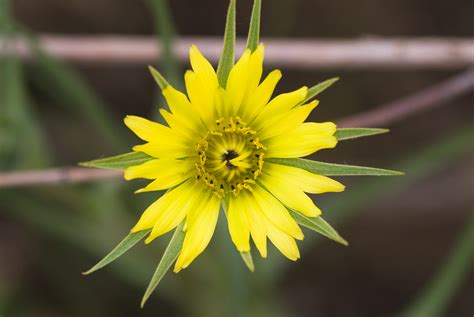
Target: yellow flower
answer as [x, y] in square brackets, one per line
[215, 149]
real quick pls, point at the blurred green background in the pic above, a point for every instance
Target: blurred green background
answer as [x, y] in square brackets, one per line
[411, 237]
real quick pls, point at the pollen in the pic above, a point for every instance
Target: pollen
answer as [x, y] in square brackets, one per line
[229, 157]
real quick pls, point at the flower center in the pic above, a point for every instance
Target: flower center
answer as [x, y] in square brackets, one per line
[230, 157]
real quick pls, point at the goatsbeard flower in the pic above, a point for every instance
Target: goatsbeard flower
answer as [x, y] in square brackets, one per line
[217, 148]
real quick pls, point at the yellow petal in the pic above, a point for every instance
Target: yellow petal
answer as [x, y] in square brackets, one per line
[254, 102]
[304, 140]
[238, 224]
[152, 213]
[167, 173]
[309, 182]
[169, 218]
[148, 130]
[153, 168]
[255, 69]
[285, 243]
[237, 85]
[256, 220]
[201, 85]
[202, 96]
[201, 222]
[167, 148]
[202, 67]
[181, 126]
[291, 196]
[182, 108]
[276, 213]
[288, 121]
[279, 105]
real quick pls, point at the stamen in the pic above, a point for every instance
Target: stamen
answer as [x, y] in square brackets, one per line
[229, 157]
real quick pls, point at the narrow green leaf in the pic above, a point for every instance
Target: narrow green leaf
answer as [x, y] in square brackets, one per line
[354, 133]
[119, 162]
[22, 141]
[254, 29]
[319, 225]
[128, 242]
[160, 80]
[248, 260]
[171, 254]
[228, 52]
[165, 31]
[443, 286]
[5, 13]
[319, 88]
[68, 89]
[330, 169]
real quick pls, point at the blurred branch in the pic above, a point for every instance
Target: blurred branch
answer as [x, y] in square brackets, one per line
[55, 176]
[423, 100]
[383, 115]
[300, 53]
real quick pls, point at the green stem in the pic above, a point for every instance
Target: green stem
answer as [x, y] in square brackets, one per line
[166, 31]
[228, 52]
[254, 29]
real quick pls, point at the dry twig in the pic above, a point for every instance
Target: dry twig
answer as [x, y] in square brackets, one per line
[425, 99]
[299, 54]
[55, 176]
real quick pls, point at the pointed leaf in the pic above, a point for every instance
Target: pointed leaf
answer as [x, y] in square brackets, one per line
[171, 254]
[228, 52]
[119, 162]
[160, 80]
[128, 242]
[330, 169]
[319, 88]
[248, 260]
[254, 29]
[354, 133]
[319, 225]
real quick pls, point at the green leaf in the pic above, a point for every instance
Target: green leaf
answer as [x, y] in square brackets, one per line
[354, 133]
[5, 14]
[119, 162]
[248, 260]
[442, 287]
[160, 80]
[330, 169]
[319, 225]
[254, 29]
[129, 241]
[66, 86]
[22, 141]
[228, 52]
[165, 31]
[171, 254]
[319, 88]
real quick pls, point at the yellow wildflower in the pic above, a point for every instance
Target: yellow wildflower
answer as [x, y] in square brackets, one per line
[215, 149]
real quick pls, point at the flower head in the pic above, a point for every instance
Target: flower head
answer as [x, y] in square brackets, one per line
[217, 148]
